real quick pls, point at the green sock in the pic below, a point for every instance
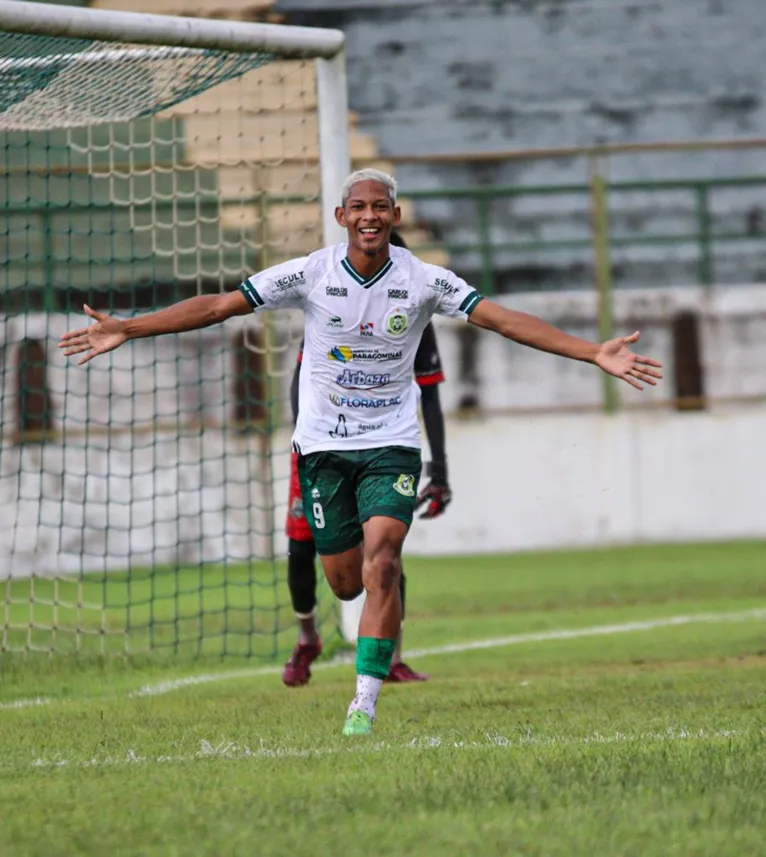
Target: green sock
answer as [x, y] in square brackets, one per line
[373, 656]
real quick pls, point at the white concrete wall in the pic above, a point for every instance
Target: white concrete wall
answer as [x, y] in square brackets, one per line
[732, 332]
[578, 480]
[519, 483]
[164, 499]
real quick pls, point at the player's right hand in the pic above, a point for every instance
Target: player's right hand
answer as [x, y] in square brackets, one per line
[105, 335]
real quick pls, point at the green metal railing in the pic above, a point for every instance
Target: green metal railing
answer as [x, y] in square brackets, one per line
[600, 191]
[597, 159]
[601, 241]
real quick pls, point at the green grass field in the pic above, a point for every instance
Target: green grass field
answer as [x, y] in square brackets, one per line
[639, 732]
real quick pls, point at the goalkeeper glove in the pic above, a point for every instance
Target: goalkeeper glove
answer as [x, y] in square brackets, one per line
[436, 496]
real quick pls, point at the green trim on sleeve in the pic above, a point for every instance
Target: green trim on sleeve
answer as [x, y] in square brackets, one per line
[471, 302]
[251, 294]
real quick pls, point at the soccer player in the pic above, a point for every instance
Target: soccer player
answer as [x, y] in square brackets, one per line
[301, 553]
[366, 306]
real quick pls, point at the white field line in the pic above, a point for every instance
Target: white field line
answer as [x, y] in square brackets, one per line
[456, 648]
[192, 680]
[171, 685]
[233, 751]
[24, 703]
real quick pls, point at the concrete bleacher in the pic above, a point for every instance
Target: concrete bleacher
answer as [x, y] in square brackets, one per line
[448, 76]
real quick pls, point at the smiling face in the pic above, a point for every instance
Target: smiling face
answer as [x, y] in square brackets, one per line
[368, 215]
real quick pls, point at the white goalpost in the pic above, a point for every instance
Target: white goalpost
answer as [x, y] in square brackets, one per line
[147, 158]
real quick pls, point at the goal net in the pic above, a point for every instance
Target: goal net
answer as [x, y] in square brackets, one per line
[148, 159]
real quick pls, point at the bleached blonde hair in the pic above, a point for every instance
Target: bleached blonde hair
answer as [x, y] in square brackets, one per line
[389, 182]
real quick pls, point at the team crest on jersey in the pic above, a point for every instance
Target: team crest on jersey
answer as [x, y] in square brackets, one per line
[405, 485]
[396, 322]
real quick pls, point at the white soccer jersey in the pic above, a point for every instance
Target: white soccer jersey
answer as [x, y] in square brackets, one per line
[356, 388]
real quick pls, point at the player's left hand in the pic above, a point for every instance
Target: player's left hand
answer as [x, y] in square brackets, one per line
[616, 358]
[435, 497]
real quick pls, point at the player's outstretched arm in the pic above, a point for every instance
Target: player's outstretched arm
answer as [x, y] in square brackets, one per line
[613, 357]
[108, 332]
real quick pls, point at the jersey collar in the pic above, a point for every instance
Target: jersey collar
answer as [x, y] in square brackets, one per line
[366, 282]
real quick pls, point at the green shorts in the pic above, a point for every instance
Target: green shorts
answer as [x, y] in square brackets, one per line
[342, 490]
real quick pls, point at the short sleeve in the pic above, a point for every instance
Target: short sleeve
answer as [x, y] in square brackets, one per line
[280, 287]
[450, 295]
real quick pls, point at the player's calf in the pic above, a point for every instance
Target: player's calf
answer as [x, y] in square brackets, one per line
[382, 613]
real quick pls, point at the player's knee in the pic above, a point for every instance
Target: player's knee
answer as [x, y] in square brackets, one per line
[382, 571]
[344, 573]
[346, 591]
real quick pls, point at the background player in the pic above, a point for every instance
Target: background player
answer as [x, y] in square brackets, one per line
[301, 569]
[359, 456]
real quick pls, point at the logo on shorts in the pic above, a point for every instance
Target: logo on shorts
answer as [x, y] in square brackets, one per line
[396, 322]
[405, 485]
[314, 493]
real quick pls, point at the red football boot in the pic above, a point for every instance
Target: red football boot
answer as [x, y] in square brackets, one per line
[297, 670]
[401, 672]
